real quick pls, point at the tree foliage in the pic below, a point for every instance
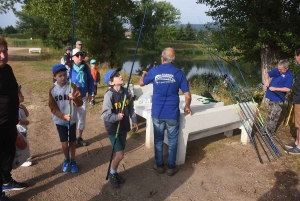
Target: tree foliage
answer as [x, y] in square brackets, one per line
[262, 30]
[6, 5]
[10, 30]
[190, 32]
[98, 24]
[160, 15]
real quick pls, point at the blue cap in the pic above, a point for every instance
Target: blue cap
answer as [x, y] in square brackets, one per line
[58, 67]
[93, 61]
[109, 74]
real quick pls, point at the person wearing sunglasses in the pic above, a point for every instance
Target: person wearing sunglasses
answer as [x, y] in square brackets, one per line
[84, 54]
[80, 74]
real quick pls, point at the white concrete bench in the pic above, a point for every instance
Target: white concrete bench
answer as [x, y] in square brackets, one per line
[138, 91]
[37, 49]
[207, 120]
[204, 123]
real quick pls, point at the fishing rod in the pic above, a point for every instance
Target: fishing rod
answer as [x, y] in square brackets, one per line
[231, 64]
[232, 86]
[124, 100]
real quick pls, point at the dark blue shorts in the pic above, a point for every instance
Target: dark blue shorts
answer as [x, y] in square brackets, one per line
[63, 133]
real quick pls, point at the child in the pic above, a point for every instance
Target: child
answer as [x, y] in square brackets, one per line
[96, 76]
[23, 122]
[59, 96]
[111, 115]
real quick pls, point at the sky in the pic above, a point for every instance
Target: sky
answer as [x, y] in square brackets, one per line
[190, 12]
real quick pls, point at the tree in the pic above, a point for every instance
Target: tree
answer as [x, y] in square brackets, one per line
[264, 31]
[190, 32]
[159, 14]
[98, 23]
[1, 30]
[10, 30]
[36, 27]
[7, 5]
[181, 33]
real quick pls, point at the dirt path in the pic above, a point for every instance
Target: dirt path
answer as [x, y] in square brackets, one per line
[217, 168]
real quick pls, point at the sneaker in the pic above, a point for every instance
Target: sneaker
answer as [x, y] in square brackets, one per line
[74, 168]
[3, 197]
[66, 165]
[159, 168]
[290, 145]
[14, 185]
[92, 102]
[120, 179]
[172, 170]
[80, 141]
[293, 151]
[113, 179]
[26, 164]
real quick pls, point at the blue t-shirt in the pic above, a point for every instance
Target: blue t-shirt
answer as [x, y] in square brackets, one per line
[167, 80]
[279, 80]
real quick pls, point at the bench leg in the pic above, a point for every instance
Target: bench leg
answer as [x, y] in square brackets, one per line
[244, 136]
[181, 149]
[149, 133]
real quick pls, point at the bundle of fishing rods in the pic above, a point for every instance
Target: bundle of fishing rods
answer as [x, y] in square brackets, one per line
[250, 116]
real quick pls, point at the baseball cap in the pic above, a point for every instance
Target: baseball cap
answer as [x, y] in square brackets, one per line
[75, 51]
[109, 74]
[79, 43]
[93, 61]
[58, 67]
[68, 48]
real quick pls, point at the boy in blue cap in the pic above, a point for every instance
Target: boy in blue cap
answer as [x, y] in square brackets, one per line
[112, 113]
[61, 95]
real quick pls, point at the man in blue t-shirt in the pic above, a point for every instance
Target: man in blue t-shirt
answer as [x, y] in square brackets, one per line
[282, 81]
[167, 80]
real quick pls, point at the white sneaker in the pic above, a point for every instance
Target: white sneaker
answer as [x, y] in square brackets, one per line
[26, 164]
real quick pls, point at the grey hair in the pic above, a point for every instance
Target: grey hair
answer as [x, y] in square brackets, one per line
[284, 63]
[166, 56]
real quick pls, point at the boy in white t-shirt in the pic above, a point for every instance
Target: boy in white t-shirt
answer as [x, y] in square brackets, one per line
[23, 122]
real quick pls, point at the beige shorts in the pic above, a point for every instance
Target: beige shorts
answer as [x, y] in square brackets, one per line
[297, 115]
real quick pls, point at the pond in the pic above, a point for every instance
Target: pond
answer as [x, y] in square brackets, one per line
[201, 65]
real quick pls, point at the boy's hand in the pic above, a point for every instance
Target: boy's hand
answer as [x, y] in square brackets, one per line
[136, 127]
[67, 117]
[120, 116]
[71, 96]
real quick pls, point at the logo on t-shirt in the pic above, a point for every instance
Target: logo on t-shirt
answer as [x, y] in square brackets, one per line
[164, 78]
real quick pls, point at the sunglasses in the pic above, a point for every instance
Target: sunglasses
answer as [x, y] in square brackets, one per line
[78, 55]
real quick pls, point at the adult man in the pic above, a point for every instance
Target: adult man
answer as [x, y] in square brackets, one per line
[282, 81]
[9, 118]
[84, 57]
[167, 80]
[294, 147]
[80, 75]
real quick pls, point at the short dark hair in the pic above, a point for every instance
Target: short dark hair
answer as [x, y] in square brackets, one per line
[3, 41]
[297, 51]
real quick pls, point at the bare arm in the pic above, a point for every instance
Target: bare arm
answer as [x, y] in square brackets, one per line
[267, 80]
[282, 89]
[141, 79]
[188, 99]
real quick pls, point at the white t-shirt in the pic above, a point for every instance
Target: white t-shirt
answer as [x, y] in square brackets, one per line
[22, 117]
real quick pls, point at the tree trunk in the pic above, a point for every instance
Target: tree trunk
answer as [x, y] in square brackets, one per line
[270, 56]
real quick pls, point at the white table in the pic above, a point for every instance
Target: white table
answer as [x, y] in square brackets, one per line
[207, 119]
